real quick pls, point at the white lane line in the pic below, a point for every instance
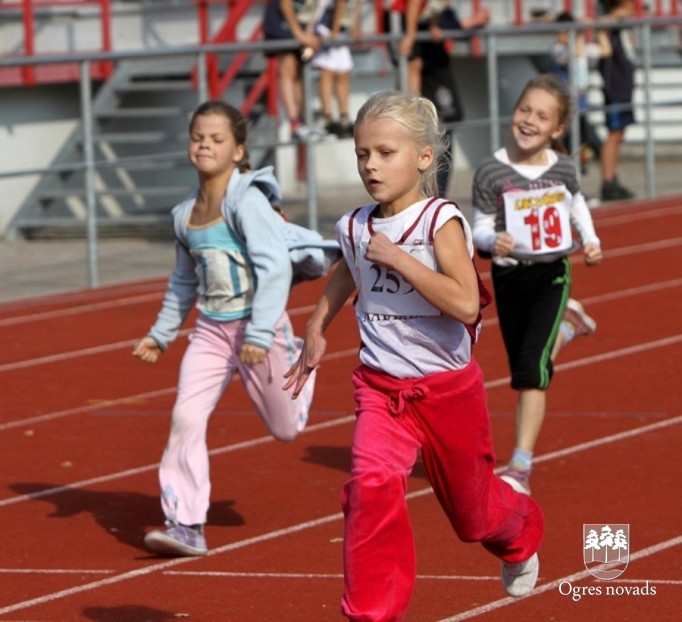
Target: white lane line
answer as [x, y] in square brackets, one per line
[287, 531]
[66, 356]
[87, 308]
[633, 291]
[103, 306]
[317, 575]
[161, 566]
[641, 248]
[119, 345]
[600, 358]
[315, 427]
[610, 219]
[53, 571]
[56, 358]
[19, 423]
[48, 492]
[546, 587]
[143, 298]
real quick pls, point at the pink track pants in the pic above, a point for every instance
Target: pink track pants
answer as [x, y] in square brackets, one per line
[446, 416]
[207, 367]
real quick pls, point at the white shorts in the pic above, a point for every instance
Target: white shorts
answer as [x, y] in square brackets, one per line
[336, 59]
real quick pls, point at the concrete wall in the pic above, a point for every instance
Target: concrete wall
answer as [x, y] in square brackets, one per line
[35, 124]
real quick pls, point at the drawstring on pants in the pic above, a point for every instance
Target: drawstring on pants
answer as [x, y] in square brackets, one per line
[397, 399]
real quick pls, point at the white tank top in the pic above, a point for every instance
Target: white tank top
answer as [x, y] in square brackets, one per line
[403, 334]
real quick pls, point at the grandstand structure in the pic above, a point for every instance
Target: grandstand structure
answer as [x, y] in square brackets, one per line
[96, 95]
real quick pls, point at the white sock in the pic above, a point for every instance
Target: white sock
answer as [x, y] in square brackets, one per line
[522, 459]
[567, 330]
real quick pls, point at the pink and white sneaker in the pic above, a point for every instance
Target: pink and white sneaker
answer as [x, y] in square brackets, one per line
[575, 315]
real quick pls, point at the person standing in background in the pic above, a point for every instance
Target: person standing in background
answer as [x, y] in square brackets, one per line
[617, 68]
[437, 78]
[293, 20]
[586, 54]
[335, 18]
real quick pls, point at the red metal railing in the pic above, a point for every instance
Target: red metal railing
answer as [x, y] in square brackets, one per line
[661, 8]
[236, 10]
[29, 74]
[265, 83]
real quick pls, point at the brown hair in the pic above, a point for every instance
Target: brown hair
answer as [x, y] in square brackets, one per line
[554, 85]
[237, 121]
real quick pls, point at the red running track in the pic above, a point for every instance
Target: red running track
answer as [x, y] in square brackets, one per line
[83, 424]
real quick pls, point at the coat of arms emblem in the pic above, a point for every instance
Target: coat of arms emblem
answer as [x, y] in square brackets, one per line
[606, 550]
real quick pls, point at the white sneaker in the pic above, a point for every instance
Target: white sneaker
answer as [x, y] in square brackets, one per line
[305, 134]
[575, 315]
[519, 579]
[177, 540]
[302, 133]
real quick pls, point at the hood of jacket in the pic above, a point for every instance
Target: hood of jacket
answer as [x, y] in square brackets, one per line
[263, 179]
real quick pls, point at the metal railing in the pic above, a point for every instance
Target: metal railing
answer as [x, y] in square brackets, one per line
[490, 36]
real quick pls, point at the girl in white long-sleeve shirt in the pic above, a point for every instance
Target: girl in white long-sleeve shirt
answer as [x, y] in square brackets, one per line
[526, 201]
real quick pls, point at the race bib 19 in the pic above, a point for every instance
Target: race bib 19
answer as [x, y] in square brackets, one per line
[538, 220]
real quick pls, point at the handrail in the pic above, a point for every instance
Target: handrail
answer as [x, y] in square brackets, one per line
[227, 33]
[493, 121]
[28, 9]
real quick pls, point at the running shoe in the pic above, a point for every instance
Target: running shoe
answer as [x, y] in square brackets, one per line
[519, 579]
[177, 541]
[575, 315]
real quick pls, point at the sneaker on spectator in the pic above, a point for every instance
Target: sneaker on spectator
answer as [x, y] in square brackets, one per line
[519, 579]
[177, 540]
[517, 478]
[613, 191]
[335, 128]
[575, 315]
[304, 134]
[347, 130]
[322, 133]
[301, 133]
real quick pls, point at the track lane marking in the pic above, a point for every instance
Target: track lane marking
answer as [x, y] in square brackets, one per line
[128, 343]
[144, 298]
[287, 531]
[545, 587]
[666, 341]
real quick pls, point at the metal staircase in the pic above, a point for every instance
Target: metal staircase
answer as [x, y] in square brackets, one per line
[140, 118]
[143, 135]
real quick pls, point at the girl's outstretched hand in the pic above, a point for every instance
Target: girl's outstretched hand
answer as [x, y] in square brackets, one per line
[147, 350]
[593, 254]
[252, 355]
[311, 354]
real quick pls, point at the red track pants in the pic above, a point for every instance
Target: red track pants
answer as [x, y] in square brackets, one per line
[445, 415]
